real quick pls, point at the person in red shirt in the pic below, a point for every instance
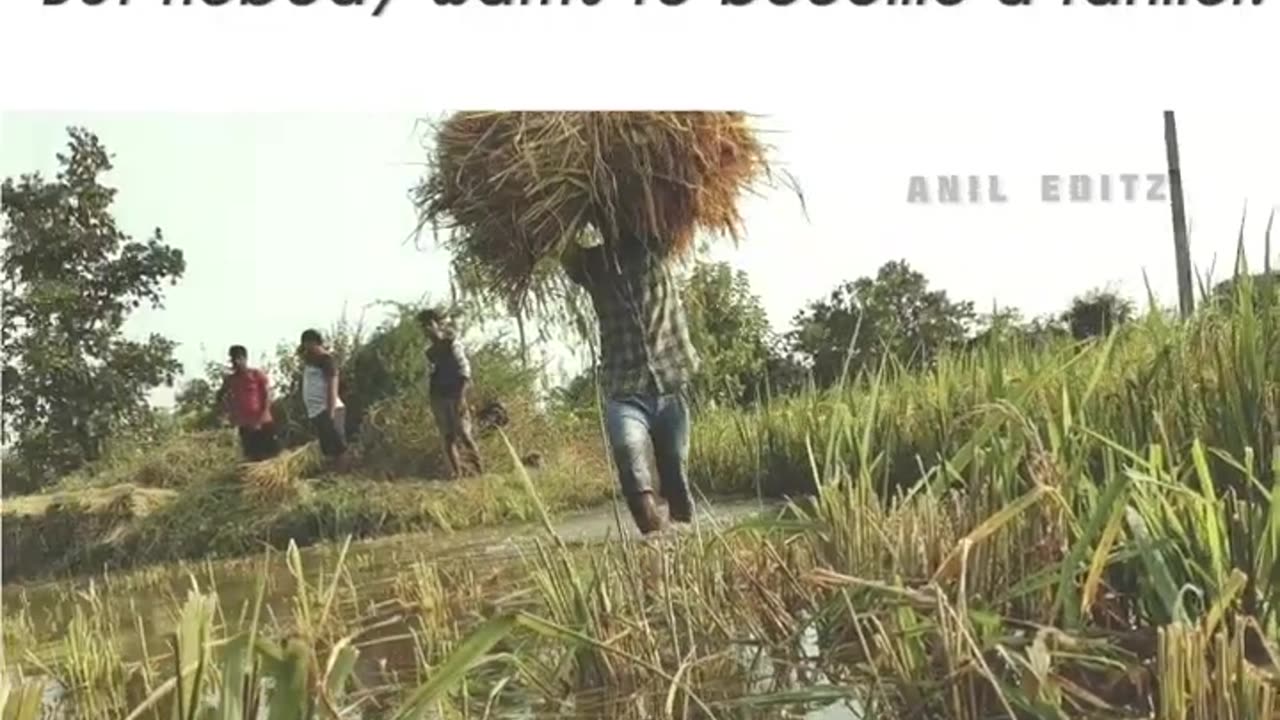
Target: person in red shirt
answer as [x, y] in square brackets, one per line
[246, 396]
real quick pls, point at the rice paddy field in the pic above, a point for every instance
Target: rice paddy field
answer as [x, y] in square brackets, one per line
[1054, 531]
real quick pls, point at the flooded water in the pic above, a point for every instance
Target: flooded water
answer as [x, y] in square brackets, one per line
[56, 705]
[143, 602]
[149, 596]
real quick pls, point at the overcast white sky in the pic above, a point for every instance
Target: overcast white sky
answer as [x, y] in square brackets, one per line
[285, 219]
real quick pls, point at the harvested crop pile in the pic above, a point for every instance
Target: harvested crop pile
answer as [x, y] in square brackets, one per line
[512, 188]
[279, 477]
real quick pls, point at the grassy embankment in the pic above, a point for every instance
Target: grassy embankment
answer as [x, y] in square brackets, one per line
[191, 497]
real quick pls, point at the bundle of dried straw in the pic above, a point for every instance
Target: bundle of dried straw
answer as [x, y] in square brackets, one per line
[512, 188]
[282, 475]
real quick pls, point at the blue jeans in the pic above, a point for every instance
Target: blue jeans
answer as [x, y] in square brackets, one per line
[636, 423]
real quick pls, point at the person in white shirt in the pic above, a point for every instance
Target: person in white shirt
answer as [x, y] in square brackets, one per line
[325, 409]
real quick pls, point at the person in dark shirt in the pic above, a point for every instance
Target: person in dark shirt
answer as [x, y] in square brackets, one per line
[245, 395]
[448, 380]
[647, 362]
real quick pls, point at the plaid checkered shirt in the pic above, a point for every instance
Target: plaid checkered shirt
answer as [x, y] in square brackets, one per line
[644, 334]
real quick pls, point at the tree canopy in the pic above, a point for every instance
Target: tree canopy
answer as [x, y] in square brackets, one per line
[894, 313]
[71, 280]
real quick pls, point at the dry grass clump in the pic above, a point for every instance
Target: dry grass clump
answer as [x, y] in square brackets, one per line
[514, 187]
[170, 463]
[280, 476]
[125, 500]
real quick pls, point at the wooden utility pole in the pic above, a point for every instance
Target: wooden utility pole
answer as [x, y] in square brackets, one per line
[1181, 245]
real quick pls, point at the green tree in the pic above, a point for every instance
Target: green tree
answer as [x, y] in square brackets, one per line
[894, 314]
[71, 279]
[730, 330]
[1004, 324]
[195, 405]
[1096, 313]
[577, 399]
[1262, 290]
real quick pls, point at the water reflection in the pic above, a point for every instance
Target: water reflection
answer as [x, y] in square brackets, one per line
[142, 604]
[147, 598]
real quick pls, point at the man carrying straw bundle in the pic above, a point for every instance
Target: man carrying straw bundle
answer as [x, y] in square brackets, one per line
[519, 189]
[646, 363]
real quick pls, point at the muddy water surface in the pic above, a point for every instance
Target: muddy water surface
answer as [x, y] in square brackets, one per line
[141, 604]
